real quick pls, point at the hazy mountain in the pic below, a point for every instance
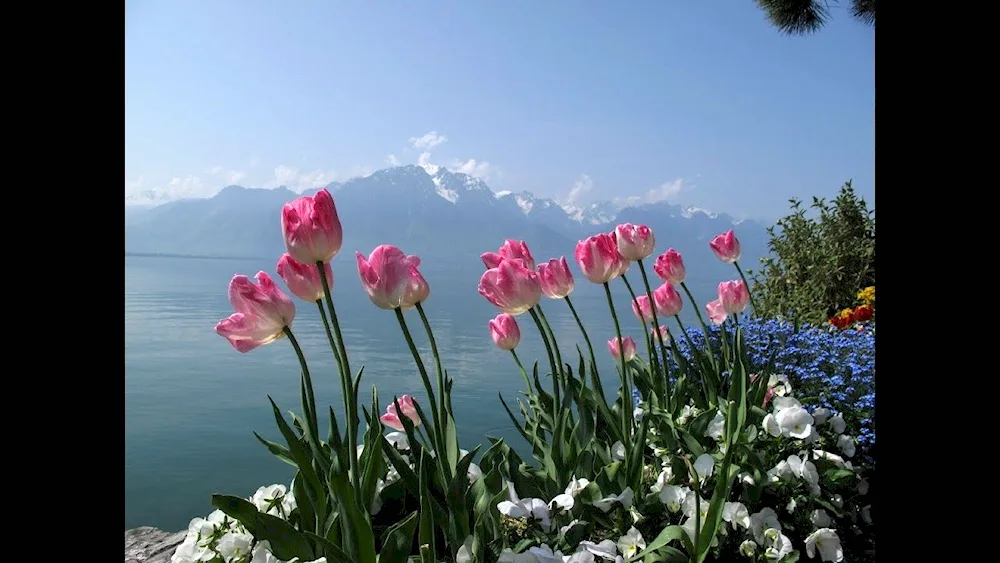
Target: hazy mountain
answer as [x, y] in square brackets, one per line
[433, 213]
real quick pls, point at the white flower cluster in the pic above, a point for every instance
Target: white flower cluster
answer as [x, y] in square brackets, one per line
[220, 539]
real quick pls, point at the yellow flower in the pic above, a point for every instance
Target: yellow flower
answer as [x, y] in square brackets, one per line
[867, 296]
[845, 313]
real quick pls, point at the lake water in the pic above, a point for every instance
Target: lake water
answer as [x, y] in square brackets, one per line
[192, 401]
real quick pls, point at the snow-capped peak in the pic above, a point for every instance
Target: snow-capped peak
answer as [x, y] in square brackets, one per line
[692, 211]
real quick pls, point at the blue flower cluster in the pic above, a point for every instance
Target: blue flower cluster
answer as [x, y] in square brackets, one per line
[831, 368]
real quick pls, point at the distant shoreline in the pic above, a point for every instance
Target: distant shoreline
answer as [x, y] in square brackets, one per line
[196, 256]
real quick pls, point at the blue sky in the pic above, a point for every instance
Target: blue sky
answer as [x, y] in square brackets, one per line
[701, 103]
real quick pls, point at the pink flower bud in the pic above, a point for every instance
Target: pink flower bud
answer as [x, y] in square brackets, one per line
[726, 247]
[391, 417]
[734, 296]
[417, 290]
[385, 275]
[642, 309]
[511, 250]
[716, 313]
[303, 279]
[661, 334]
[667, 301]
[262, 312]
[629, 347]
[511, 286]
[599, 259]
[670, 267]
[635, 242]
[555, 278]
[311, 228]
[504, 331]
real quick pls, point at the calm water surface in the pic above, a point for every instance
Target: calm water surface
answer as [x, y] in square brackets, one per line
[192, 401]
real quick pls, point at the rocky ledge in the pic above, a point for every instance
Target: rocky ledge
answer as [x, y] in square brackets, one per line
[149, 545]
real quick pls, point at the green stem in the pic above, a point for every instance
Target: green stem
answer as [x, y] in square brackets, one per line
[350, 399]
[524, 374]
[746, 283]
[310, 408]
[443, 423]
[590, 347]
[552, 363]
[645, 327]
[435, 415]
[330, 339]
[552, 339]
[627, 406]
[697, 308]
[656, 327]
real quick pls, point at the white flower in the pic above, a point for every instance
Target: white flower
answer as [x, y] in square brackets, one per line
[748, 548]
[820, 518]
[790, 507]
[262, 553]
[687, 411]
[562, 501]
[576, 485]
[564, 529]
[781, 403]
[535, 508]
[190, 552]
[795, 422]
[746, 478]
[779, 545]
[398, 440]
[663, 479]
[760, 521]
[837, 501]
[863, 486]
[637, 414]
[464, 554]
[846, 444]
[234, 545]
[605, 550]
[838, 424]
[813, 435]
[689, 505]
[631, 543]
[771, 425]
[320, 560]
[673, 496]
[637, 517]
[827, 542]
[544, 554]
[780, 385]
[820, 415]
[273, 500]
[581, 556]
[376, 506]
[704, 466]
[618, 451]
[625, 499]
[474, 473]
[717, 427]
[736, 514]
[806, 470]
[689, 526]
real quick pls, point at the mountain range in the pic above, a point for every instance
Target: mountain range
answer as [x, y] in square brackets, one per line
[431, 212]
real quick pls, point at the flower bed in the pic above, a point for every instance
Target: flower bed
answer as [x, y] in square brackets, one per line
[719, 461]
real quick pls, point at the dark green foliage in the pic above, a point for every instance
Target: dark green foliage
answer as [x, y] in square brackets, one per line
[818, 264]
[801, 17]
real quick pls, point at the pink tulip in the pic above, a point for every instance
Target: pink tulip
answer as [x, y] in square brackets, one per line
[311, 228]
[716, 312]
[629, 347]
[391, 417]
[262, 312]
[635, 242]
[555, 278]
[511, 250]
[734, 296]
[385, 275]
[726, 247]
[417, 290]
[670, 267]
[598, 258]
[303, 279]
[661, 334]
[642, 309]
[511, 286]
[624, 263]
[504, 331]
[667, 301]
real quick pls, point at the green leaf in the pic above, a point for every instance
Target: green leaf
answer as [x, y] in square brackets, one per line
[358, 536]
[316, 493]
[791, 557]
[329, 549]
[426, 533]
[286, 542]
[451, 442]
[399, 540]
[669, 534]
[279, 451]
